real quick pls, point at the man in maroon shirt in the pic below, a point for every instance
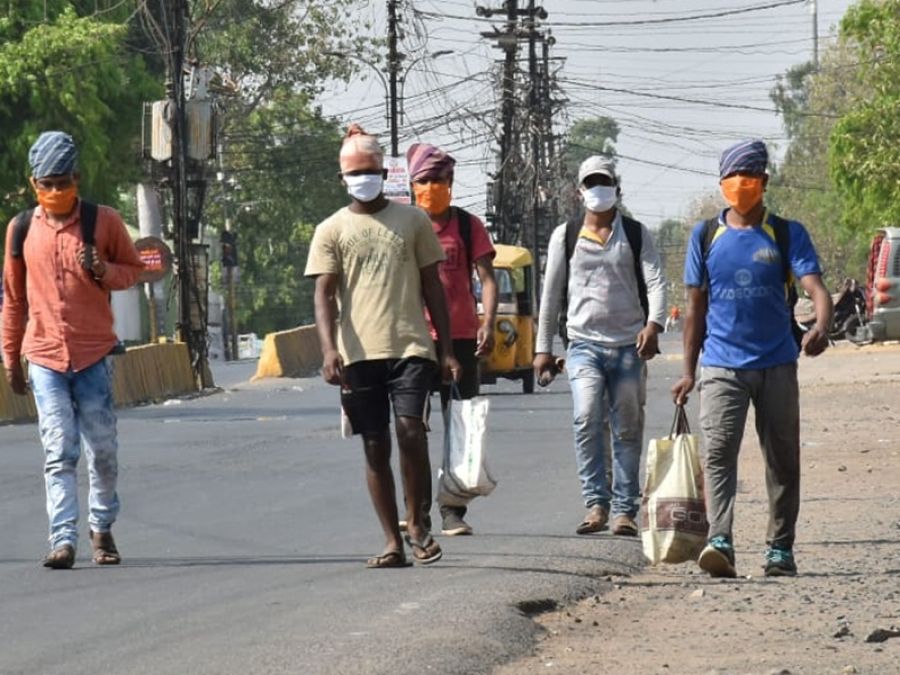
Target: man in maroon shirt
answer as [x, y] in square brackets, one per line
[56, 313]
[467, 247]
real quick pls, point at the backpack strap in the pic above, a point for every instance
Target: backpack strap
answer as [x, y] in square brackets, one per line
[20, 231]
[782, 231]
[573, 229]
[570, 240]
[88, 222]
[464, 222]
[710, 229]
[635, 235]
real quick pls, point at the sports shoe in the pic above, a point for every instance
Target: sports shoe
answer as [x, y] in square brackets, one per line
[780, 562]
[454, 525]
[717, 558]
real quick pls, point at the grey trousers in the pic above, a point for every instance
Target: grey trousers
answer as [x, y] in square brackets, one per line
[725, 397]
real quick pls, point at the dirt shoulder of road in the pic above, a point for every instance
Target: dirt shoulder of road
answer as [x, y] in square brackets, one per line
[675, 619]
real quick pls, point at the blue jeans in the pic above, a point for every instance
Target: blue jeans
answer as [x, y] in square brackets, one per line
[620, 374]
[75, 411]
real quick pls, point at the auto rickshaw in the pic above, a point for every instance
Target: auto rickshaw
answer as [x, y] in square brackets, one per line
[514, 328]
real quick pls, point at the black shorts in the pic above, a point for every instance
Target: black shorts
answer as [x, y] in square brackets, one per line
[370, 387]
[470, 380]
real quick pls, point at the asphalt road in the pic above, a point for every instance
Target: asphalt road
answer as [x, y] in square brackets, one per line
[244, 529]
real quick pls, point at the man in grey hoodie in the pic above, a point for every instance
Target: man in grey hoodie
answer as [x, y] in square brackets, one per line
[604, 273]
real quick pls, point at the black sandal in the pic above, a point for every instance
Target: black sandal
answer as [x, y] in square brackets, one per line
[425, 551]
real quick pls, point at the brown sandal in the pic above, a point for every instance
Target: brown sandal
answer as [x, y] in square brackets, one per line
[62, 558]
[105, 551]
[594, 521]
[387, 560]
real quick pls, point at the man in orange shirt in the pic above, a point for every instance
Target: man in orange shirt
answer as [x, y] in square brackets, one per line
[56, 313]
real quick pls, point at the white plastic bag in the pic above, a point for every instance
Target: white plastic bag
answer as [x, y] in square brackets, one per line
[346, 427]
[464, 474]
[673, 511]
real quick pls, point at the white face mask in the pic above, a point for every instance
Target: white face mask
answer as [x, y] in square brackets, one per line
[599, 198]
[364, 187]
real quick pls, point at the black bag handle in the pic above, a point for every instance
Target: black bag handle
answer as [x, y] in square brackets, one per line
[680, 424]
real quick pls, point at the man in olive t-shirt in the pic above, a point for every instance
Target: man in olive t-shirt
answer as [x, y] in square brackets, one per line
[376, 261]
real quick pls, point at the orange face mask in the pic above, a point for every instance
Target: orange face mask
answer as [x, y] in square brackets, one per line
[58, 202]
[742, 192]
[433, 197]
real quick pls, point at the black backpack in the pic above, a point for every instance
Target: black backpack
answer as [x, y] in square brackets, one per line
[23, 223]
[782, 230]
[635, 236]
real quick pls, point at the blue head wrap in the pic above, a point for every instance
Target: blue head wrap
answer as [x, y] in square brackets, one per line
[53, 154]
[746, 156]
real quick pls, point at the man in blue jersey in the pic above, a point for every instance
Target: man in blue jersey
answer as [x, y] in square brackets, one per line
[739, 273]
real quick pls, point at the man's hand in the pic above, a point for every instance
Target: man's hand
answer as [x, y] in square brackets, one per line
[682, 388]
[648, 342]
[484, 340]
[815, 341]
[451, 371]
[15, 376]
[332, 367]
[543, 363]
[98, 267]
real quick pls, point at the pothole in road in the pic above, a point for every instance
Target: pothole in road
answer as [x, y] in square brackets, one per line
[533, 608]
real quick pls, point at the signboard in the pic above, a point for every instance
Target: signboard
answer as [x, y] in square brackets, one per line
[157, 259]
[396, 186]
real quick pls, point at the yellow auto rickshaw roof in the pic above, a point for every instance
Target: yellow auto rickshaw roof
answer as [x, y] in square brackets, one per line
[512, 256]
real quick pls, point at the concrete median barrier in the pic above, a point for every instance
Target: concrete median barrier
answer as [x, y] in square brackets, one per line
[290, 353]
[140, 375]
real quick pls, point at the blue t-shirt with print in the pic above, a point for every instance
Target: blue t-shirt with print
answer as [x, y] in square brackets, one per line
[748, 322]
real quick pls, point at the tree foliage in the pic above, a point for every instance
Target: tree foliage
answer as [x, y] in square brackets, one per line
[261, 48]
[286, 171]
[865, 142]
[592, 136]
[63, 70]
[812, 101]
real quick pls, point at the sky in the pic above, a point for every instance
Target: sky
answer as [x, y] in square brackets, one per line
[680, 90]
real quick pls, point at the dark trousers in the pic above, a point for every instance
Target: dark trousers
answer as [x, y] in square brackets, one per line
[725, 397]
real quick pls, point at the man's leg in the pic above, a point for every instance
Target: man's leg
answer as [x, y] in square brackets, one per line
[409, 385]
[626, 377]
[59, 436]
[452, 516]
[777, 406]
[587, 383]
[92, 391]
[724, 400]
[380, 481]
[364, 397]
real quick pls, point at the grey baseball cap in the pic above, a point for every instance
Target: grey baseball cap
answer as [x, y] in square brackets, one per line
[597, 164]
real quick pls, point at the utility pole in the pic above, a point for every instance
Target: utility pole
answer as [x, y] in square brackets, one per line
[502, 213]
[176, 96]
[172, 150]
[535, 132]
[393, 72]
